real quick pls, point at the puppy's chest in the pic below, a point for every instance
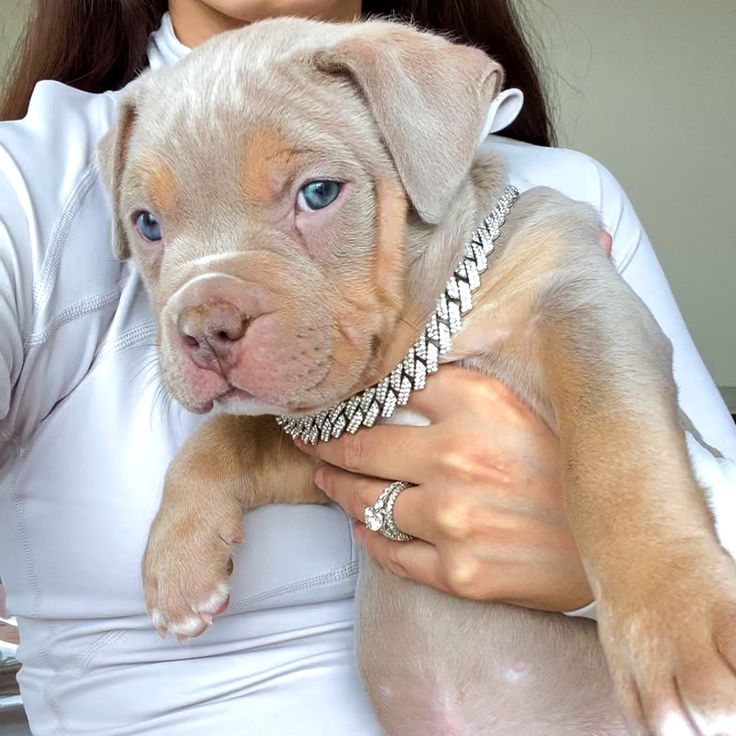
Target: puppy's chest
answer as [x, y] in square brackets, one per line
[498, 339]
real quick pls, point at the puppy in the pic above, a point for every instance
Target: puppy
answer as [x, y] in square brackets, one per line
[296, 196]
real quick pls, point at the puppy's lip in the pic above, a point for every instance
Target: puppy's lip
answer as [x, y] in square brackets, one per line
[306, 410]
[235, 393]
[202, 408]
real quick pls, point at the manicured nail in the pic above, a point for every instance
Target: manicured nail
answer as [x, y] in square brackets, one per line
[304, 447]
[319, 478]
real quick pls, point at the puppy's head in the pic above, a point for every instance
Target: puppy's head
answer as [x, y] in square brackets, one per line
[268, 186]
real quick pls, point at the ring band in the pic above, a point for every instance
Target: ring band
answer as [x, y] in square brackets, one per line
[380, 516]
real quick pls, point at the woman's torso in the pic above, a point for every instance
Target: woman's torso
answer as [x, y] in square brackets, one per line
[84, 446]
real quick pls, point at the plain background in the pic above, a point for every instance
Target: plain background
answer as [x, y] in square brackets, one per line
[649, 89]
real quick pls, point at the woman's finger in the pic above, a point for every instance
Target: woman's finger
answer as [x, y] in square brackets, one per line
[354, 492]
[456, 393]
[393, 452]
[416, 560]
[606, 242]
[452, 390]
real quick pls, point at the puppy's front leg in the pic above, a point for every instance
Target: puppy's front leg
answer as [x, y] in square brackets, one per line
[667, 590]
[230, 464]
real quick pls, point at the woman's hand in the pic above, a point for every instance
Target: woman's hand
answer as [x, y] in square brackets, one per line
[486, 510]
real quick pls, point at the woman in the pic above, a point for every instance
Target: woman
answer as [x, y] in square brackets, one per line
[85, 437]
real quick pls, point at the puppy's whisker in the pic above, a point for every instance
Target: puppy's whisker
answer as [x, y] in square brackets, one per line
[163, 400]
[148, 370]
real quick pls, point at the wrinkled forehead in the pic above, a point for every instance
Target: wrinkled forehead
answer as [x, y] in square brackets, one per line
[256, 101]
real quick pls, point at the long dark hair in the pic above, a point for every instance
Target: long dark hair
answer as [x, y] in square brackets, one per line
[99, 45]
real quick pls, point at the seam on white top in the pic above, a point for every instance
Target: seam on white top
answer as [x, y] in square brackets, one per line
[104, 640]
[128, 339]
[7, 436]
[71, 313]
[47, 277]
[333, 576]
[132, 337]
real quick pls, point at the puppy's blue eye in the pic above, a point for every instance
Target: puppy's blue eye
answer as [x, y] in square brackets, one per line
[148, 226]
[318, 194]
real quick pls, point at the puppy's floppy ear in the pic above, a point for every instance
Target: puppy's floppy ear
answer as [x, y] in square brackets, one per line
[430, 99]
[112, 155]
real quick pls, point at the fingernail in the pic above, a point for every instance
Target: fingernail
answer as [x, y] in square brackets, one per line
[319, 479]
[304, 447]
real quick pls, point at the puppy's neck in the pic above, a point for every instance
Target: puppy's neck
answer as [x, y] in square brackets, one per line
[433, 252]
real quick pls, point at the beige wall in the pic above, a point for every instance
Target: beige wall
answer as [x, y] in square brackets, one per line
[649, 88]
[12, 14]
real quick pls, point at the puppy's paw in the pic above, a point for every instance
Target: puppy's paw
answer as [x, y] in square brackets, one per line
[186, 569]
[672, 652]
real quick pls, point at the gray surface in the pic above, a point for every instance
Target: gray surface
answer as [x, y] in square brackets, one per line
[729, 396]
[13, 722]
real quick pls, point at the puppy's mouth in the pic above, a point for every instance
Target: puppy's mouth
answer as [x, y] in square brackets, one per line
[238, 401]
[235, 393]
[229, 401]
[233, 399]
[200, 408]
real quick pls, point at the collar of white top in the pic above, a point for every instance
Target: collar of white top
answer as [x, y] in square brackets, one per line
[164, 48]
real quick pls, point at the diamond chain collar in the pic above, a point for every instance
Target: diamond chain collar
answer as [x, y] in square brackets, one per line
[381, 400]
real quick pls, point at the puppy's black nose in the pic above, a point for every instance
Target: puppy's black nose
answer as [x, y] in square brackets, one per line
[209, 333]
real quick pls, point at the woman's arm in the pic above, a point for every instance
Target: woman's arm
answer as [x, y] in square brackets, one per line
[636, 261]
[56, 267]
[15, 286]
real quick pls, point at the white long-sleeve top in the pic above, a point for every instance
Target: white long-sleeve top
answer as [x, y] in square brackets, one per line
[86, 437]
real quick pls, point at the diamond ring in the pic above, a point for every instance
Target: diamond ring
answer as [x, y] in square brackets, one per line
[380, 516]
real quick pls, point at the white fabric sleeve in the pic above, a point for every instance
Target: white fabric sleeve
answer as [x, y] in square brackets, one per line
[15, 285]
[712, 444]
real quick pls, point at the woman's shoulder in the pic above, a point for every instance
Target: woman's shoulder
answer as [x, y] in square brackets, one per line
[46, 155]
[580, 177]
[573, 173]
[61, 285]
[53, 206]
[57, 112]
